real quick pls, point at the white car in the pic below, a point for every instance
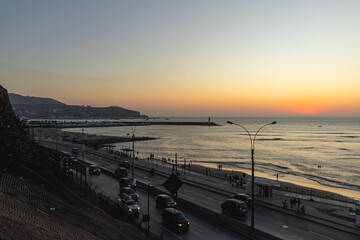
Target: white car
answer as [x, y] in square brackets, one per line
[128, 206]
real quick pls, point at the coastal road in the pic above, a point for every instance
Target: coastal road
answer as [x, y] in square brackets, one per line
[200, 228]
[276, 223]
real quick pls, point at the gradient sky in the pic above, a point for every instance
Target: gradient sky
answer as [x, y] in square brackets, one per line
[186, 58]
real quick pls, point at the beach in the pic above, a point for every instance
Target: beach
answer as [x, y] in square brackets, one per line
[288, 184]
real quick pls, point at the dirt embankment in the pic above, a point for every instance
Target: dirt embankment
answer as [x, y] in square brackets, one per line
[29, 211]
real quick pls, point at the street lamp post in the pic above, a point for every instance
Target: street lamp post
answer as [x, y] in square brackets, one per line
[252, 142]
[133, 151]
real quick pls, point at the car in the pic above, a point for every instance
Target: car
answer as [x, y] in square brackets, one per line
[125, 164]
[126, 182]
[75, 151]
[128, 206]
[164, 201]
[121, 172]
[175, 219]
[234, 207]
[67, 163]
[73, 160]
[94, 170]
[68, 170]
[243, 197]
[127, 193]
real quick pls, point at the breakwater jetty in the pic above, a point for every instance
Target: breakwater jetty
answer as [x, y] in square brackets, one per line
[81, 124]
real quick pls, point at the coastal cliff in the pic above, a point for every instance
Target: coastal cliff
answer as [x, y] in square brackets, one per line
[37, 107]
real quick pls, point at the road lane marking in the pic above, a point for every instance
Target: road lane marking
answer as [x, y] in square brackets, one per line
[195, 228]
[202, 195]
[188, 197]
[166, 229]
[285, 226]
[297, 237]
[317, 234]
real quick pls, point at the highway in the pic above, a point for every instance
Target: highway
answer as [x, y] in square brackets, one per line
[200, 228]
[274, 222]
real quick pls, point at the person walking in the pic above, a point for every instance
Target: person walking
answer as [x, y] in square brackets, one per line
[285, 205]
[303, 209]
[291, 202]
[299, 202]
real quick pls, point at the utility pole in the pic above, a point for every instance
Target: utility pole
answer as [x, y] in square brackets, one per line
[133, 151]
[176, 164]
[82, 165]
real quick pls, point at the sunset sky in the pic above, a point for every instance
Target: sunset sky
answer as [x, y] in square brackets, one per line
[186, 58]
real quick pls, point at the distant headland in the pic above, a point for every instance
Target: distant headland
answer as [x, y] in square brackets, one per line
[48, 108]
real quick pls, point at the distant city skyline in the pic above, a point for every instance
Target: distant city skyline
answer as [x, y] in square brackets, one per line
[186, 58]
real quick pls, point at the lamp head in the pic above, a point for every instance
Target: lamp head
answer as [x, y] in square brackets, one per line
[230, 122]
[274, 122]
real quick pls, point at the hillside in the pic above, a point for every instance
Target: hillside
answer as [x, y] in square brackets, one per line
[36, 202]
[36, 107]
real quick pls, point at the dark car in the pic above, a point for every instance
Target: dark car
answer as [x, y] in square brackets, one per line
[68, 170]
[164, 201]
[175, 219]
[126, 182]
[67, 163]
[75, 151]
[73, 160]
[94, 170]
[243, 197]
[234, 207]
[121, 172]
[125, 164]
[127, 193]
[128, 206]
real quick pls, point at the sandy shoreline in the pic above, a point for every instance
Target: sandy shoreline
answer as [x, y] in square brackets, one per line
[288, 183]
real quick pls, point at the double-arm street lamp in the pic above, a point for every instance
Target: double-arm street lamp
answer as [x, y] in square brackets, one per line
[252, 141]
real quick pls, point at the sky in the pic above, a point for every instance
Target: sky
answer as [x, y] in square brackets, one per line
[186, 58]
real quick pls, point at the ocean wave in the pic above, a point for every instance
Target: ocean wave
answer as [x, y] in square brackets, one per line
[305, 148]
[270, 139]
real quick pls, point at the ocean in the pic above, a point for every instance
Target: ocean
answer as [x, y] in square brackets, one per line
[317, 152]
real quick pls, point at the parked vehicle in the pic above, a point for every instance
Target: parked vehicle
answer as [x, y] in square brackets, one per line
[75, 151]
[127, 193]
[121, 172]
[126, 182]
[128, 206]
[234, 207]
[94, 170]
[164, 201]
[243, 197]
[175, 219]
[125, 164]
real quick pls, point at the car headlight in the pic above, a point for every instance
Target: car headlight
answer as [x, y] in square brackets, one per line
[130, 210]
[138, 208]
[179, 224]
[188, 223]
